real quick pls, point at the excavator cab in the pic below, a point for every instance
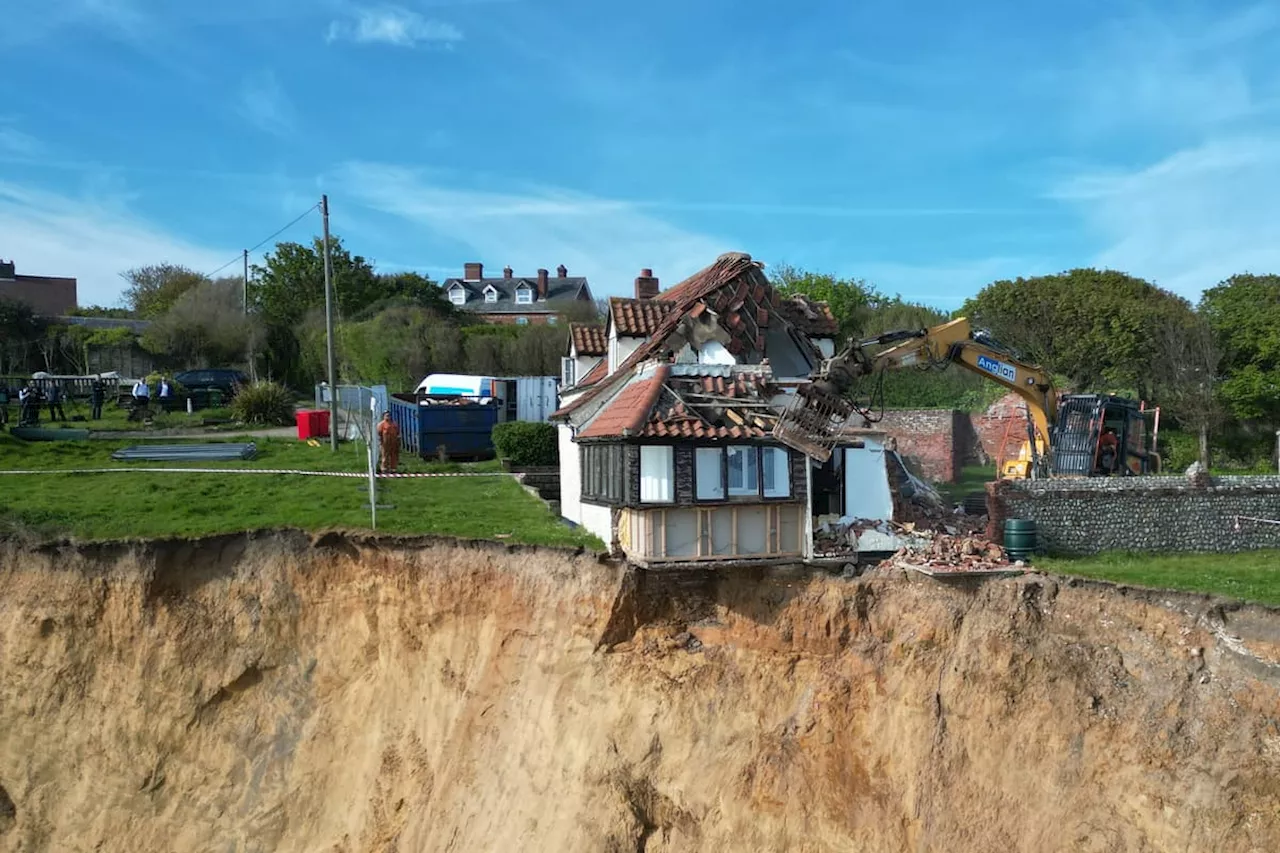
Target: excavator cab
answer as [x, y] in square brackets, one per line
[1098, 435]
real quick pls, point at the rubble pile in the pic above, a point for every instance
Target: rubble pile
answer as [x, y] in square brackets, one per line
[961, 553]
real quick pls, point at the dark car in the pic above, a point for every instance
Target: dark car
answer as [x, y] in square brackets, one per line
[201, 383]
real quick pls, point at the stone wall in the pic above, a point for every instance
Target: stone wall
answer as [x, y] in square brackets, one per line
[1091, 515]
[936, 441]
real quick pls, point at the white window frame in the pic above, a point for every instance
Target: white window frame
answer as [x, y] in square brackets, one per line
[491, 294]
[708, 466]
[657, 474]
[458, 295]
[750, 483]
[568, 371]
[524, 295]
[522, 321]
[775, 465]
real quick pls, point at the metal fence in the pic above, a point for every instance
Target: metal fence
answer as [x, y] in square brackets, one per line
[356, 419]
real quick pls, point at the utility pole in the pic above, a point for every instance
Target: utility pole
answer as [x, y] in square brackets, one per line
[244, 290]
[328, 328]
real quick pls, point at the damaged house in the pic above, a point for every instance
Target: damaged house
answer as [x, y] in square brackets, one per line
[666, 445]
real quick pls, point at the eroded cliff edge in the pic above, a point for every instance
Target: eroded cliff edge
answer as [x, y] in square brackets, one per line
[273, 691]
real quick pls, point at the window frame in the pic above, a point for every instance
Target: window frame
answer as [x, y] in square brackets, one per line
[522, 321]
[669, 495]
[458, 295]
[727, 496]
[490, 295]
[524, 295]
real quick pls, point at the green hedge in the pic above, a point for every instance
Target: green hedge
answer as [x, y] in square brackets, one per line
[524, 443]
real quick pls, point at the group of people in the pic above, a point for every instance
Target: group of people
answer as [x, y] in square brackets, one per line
[141, 397]
[33, 397]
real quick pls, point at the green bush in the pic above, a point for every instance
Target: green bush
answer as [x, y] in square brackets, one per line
[524, 443]
[153, 383]
[263, 403]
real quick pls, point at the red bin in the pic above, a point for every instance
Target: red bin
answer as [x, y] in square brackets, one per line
[312, 423]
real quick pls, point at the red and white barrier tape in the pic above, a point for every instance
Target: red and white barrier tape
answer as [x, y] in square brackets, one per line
[361, 475]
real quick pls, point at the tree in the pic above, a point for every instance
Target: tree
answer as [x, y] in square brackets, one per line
[949, 388]
[291, 281]
[207, 325]
[20, 330]
[1092, 326]
[1185, 376]
[152, 290]
[1244, 314]
[850, 300]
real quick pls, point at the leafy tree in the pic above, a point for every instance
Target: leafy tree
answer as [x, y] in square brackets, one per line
[850, 299]
[207, 325]
[1185, 376]
[20, 330]
[1244, 314]
[291, 281]
[152, 290]
[100, 311]
[950, 388]
[1092, 326]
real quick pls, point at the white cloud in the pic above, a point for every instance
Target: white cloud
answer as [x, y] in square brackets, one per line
[15, 142]
[1191, 219]
[393, 25]
[264, 104]
[92, 240]
[605, 240]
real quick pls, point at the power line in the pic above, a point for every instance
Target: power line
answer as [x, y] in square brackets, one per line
[261, 243]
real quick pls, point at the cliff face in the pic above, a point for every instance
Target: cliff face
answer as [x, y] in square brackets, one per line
[271, 692]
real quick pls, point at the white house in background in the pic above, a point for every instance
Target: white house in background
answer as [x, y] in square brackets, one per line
[666, 447]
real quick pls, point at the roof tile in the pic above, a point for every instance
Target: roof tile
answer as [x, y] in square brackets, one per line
[629, 410]
[638, 318]
[588, 338]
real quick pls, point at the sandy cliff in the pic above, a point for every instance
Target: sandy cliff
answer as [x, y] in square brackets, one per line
[269, 692]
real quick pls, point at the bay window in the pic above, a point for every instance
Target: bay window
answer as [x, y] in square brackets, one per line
[656, 480]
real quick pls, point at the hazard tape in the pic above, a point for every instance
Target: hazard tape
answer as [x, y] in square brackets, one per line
[300, 473]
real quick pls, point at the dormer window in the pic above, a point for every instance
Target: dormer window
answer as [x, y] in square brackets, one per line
[491, 294]
[457, 295]
[524, 295]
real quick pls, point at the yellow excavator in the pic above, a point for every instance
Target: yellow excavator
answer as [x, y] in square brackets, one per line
[1078, 435]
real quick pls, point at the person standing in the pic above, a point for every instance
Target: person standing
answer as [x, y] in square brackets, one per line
[27, 403]
[166, 393]
[56, 412]
[141, 400]
[96, 393]
[388, 444]
[4, 403]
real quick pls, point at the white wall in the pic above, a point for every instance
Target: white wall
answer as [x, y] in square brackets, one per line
[584, 365]
[866, 484]
[570, 475]
[625, 346]
[599, 520]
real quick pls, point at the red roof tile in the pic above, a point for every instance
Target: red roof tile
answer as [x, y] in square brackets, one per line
[588, 338]
[638, 318]
[810, 316]
[686, 412]
[629, 410]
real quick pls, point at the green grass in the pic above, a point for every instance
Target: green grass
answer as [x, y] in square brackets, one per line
[973, 480]
[105, 506]
[115, 418]
[1250, 576]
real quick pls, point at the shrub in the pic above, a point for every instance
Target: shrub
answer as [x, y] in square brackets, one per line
[153, 383]
[263, 403]
[524, 443]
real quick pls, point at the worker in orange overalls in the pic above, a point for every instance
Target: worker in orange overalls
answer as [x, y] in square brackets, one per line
[388, 444]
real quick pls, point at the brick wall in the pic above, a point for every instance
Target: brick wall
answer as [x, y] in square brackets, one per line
[932, 440]
[1091, 515]
[46, 295]
[510, 319]
[1006, 416]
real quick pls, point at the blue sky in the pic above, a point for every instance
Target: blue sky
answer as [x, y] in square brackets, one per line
[928, 147]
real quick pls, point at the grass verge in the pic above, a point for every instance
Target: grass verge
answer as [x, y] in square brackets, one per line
[1250, 576]
[115, 505]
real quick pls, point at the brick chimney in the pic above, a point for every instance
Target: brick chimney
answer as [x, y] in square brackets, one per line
[472, 272]
[506, 272]
[562, 271]
[542, 284]
[7, 270]
[646, 285]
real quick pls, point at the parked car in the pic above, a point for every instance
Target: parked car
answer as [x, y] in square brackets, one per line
[201, 384]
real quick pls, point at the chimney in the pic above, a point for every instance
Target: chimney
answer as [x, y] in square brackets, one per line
[542, 284]
[7, 269]
[562, 271]
[646, 285]
[472, 272]
[506, 272]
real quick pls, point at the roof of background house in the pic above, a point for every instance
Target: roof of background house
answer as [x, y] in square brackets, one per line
[588, 338]
[691, 401]
[560, 289]
[744, 310]
[137, 326]
[638, 318]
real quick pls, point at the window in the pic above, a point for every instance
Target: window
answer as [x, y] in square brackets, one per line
[744, 474]
[457, 295]
[709, 473]
[552, 320]
[490, 294]
[603, 472]
[776, 467]
[655, 474]
[568, 372]
[522, 321]
[524, 296]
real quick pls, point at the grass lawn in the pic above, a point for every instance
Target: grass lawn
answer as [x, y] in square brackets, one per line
[973, 480]
[1251, 576]
[115, 505]
[115, 418]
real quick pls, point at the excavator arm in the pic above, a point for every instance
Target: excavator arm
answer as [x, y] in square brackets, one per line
[815, 417]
